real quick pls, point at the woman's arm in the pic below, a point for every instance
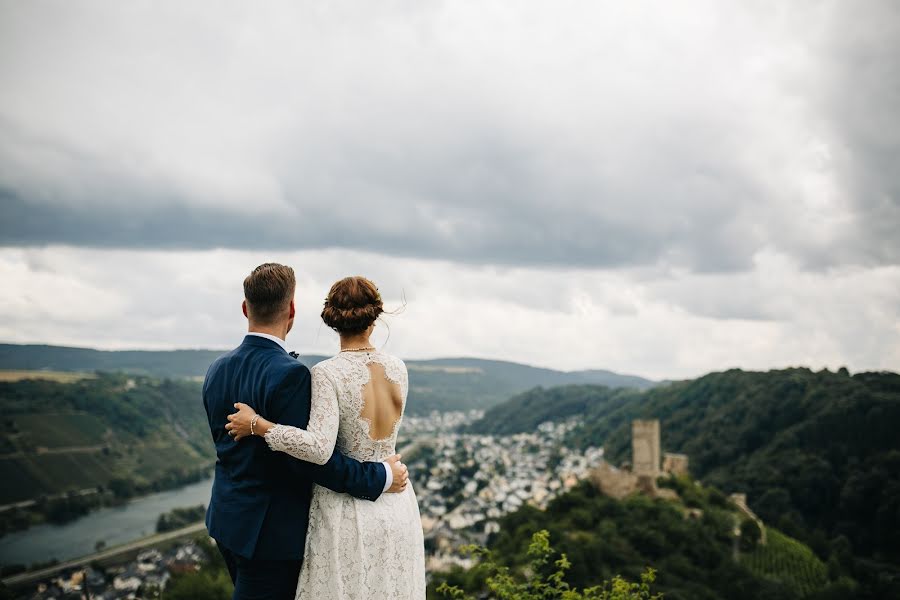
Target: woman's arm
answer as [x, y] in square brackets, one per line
[314, 444]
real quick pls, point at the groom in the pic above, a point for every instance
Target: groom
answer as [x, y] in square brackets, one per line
[259, 510]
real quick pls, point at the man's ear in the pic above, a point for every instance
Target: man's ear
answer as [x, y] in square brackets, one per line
[244, 308]
[293, 310]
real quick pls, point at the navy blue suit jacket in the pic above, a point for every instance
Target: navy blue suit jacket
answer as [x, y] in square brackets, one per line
[260, 499]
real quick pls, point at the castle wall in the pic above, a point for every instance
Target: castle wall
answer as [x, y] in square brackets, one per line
[676, 464]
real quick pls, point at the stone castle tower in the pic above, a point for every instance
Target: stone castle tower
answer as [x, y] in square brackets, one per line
[645, 452]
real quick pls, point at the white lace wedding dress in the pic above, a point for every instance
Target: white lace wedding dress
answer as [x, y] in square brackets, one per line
[355, 549]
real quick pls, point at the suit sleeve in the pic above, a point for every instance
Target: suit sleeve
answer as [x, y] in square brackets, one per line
[290, 407]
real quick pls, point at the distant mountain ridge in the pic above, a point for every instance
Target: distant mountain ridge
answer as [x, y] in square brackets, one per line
[437, 384]
[165, 363]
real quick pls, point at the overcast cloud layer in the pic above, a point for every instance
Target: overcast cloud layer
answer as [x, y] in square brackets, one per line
[658, 188]
[644, 323]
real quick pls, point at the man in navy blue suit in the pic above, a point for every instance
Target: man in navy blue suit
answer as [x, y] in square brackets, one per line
[259, 510]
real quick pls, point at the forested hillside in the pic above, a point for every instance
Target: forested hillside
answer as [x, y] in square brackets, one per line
[172, 364]
[119, 434]
[525, 411]
[817, 453]
[694, 553]
[441, 384]
[466, 383]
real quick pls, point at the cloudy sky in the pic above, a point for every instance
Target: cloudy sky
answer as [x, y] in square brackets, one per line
[655, 188]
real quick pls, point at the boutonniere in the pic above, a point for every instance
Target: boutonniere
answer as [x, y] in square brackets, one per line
[294, 354]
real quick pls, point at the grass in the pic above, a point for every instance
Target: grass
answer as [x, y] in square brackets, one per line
[788, 561]
[57, 376]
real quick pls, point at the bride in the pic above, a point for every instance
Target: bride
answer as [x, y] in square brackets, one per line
[355, 549]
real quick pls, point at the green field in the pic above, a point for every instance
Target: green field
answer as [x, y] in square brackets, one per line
[57, 376]
[60, 430]
[789, 562]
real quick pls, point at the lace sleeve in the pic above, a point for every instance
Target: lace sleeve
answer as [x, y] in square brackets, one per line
[314, 444]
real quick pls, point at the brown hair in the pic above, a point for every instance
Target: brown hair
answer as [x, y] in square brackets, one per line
[353, 303]
[268, 291]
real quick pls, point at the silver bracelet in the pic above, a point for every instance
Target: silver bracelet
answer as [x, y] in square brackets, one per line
[253, 421]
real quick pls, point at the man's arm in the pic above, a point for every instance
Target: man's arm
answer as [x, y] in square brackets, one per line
[290, 405]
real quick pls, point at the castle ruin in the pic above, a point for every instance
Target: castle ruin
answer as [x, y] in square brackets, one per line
[647, 465]
[675, 464]
[645, 454]
[740, 500]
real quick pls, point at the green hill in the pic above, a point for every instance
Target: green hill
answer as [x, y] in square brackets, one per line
[693, 555]
[175, 363]
[121, 434]
[817, 453]
[441, 384]
[525, 411]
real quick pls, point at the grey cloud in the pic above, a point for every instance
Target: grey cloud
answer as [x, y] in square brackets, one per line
[863, 104]
[408, 141]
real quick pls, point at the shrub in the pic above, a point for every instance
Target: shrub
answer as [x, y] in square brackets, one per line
[504, 586]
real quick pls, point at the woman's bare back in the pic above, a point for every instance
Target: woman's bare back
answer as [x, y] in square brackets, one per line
[382, 402]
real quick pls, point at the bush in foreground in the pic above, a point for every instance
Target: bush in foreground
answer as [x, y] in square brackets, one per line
[504, 586]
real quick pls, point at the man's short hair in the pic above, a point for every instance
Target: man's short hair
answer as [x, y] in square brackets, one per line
[269, 290]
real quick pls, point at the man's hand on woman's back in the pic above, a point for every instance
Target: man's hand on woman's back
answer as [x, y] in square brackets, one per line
[400, 473]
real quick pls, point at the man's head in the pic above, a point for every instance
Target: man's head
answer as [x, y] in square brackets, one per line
[269, 296]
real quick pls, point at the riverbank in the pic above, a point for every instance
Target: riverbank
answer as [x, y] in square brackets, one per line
[65, 507]
[108, 526]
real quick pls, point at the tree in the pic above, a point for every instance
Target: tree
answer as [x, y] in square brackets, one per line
[206, 584]
[750, 535]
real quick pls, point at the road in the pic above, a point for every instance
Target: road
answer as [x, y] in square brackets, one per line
[109, 554]
[70, 494]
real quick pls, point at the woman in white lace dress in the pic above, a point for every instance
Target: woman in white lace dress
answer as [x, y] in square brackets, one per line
[355, 549]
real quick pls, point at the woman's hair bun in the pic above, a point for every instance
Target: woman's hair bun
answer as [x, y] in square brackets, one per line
[352, 305]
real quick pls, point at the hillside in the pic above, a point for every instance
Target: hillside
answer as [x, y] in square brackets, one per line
[694, 555]
[440, 384]
[525, 411]
[816, 452]
[175, 363]
[786, 561]
[122, 434]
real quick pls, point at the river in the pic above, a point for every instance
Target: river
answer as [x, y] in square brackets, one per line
[113, 525]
